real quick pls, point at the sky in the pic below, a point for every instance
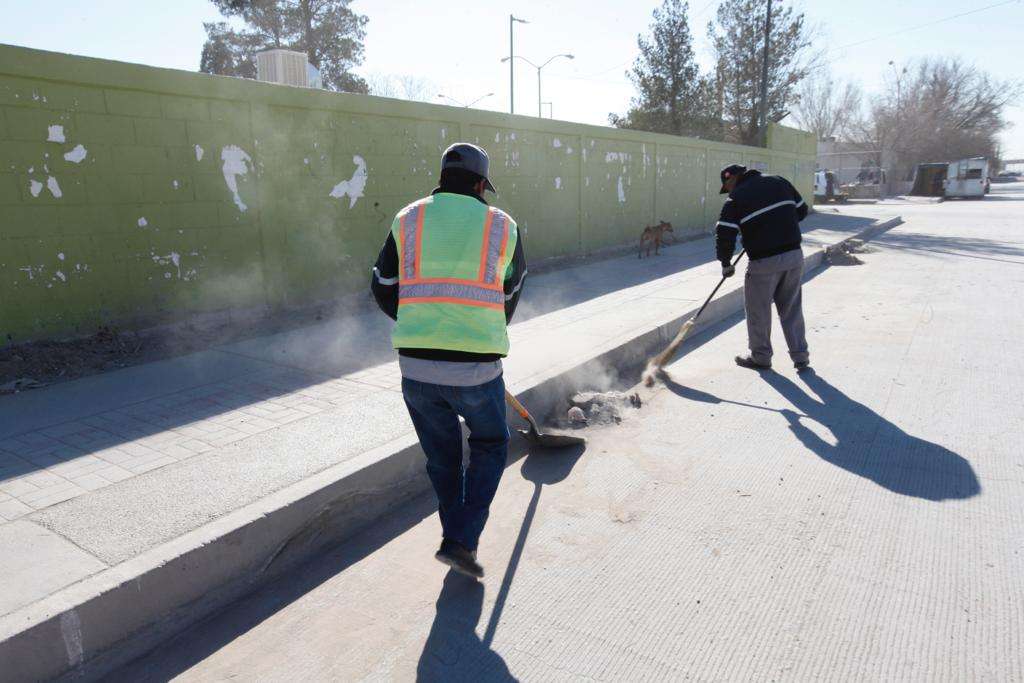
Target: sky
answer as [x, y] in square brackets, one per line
[458, 51]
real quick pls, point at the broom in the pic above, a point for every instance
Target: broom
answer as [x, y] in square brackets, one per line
[655, 364]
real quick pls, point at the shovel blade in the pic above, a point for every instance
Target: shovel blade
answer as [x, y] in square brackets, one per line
[551, 440]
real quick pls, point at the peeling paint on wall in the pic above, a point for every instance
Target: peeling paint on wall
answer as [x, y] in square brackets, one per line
[143, 222]
[54, 187]
[622, 192]
[77, 155]
[33, 271]
[199, 153]
[235, 164]
[558, 183]
[35, 187]
[56, 134]
[354, 186]
[174, 258]
[556, 143]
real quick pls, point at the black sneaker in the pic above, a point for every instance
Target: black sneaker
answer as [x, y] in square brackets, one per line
[802, 365]
[749, 362]
[458, 558]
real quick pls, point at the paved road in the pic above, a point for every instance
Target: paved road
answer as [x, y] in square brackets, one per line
[862, 522]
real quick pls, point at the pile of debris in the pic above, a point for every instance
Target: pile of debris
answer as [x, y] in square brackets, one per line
[601, 408]
[843, 254]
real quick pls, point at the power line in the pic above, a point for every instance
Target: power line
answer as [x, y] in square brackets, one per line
[924, 25]
[705, 8]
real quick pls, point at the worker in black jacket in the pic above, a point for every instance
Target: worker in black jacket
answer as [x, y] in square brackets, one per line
[766, 211]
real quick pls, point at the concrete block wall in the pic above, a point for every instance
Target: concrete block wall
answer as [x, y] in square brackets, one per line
[135, 196]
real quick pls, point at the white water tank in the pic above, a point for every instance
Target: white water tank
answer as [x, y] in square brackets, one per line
[282, 66]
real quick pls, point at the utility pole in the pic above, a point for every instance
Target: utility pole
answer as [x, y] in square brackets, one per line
[511, 63]
[763, 113]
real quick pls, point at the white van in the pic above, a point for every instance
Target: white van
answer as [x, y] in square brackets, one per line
[967, 178]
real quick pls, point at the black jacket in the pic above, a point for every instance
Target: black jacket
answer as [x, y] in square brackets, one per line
[767, 211]
[384, 285]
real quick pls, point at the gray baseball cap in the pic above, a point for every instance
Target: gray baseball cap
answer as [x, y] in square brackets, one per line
[469, 157]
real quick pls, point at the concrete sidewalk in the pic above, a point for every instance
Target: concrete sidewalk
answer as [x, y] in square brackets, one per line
[119, 476]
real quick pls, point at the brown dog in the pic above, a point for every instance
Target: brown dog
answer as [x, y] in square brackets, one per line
[653, 236]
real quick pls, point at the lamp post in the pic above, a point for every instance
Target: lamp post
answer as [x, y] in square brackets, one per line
[538, 68]
[511, 68]
[463, 104]
[899, 109]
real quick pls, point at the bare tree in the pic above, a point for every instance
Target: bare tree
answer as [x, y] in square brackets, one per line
[941, 109]
[383, 85]
[417, 88]
[827, 107]
[402, 87]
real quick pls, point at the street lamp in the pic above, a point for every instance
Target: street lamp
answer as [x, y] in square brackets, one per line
[538, 68]
[899, 107]
[511, 65]
[463, 104]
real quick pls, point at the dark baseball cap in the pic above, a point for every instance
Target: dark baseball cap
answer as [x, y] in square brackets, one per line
[470, 158]
[728, 172]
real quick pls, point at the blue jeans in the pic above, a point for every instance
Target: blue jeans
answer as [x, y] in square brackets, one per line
[464, 494]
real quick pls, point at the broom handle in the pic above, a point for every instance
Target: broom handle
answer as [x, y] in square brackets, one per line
[715, 290]
[664, 356]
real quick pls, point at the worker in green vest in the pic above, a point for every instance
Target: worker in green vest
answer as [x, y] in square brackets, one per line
[450, 274]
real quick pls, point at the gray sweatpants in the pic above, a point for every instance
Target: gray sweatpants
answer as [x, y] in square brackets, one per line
[775, 278]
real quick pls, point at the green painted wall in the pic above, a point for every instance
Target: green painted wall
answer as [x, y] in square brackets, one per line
[146, 229]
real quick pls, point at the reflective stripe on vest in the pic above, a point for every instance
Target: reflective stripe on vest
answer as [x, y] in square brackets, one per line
[412, 231]
[486, 291]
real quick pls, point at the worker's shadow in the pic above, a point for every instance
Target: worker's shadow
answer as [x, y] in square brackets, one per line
[453, 651]
[867, 444]
[870, 446]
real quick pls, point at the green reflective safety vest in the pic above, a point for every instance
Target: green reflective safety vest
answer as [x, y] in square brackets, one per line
[454, 253]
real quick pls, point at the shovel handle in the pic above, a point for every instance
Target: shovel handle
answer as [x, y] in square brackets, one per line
[520, 408]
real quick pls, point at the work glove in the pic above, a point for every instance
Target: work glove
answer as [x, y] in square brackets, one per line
[728, 270]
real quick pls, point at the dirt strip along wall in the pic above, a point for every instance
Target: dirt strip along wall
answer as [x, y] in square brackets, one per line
[135, 196]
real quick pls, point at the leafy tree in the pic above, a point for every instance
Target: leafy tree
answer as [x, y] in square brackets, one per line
[328, 31]
[672, 96]
[737, 35]
[227, 52]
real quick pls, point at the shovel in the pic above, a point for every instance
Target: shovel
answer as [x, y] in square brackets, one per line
[534, 435]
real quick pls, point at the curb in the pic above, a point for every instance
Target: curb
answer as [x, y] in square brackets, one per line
[90, 628]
